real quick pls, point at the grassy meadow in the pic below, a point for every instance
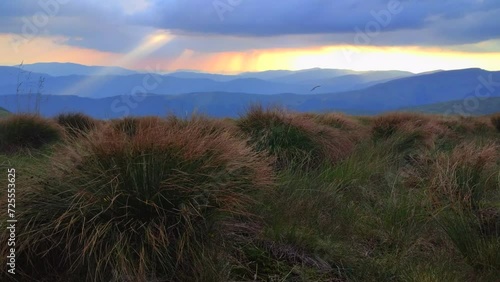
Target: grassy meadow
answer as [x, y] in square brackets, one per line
[270, 196]
[3, 112]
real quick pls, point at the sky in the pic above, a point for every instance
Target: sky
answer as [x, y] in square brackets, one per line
[232, 36]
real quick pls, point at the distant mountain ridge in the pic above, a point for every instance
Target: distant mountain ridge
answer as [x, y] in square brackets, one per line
[399, 94]
[104, 82]
[112, 97]
[64, 69]
[482, 107]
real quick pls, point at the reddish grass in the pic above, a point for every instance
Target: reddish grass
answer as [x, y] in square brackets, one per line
[352, 128]
[141, 205]
[26, 131]
[495, 120]
[422, 128]
[294, 138]
[76, 123]
[461, 178]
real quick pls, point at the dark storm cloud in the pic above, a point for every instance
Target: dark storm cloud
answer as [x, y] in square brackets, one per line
[88, 24]
[478, 19]
[108, 26]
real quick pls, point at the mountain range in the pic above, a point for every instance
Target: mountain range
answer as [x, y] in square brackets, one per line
[98, 82]
[93, 90]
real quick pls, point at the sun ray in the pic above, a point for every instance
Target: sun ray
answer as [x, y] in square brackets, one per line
[151, 43]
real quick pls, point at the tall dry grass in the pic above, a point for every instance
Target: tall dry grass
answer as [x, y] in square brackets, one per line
[151, 205]
[351, 127]
[295, 140]
[26, 131]
[460, 179]
[410, 129]
[495, 120]
[76, 123]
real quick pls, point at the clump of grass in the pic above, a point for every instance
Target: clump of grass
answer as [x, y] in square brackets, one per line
[461, 125]
[351, 127]
[153, 205]
[3, 112]
[479, 251]
[460, 179]
[25, 131]
[338, 120]
[386, 125]
[76, 123]
[295, 140]
[129, 125]
[410, 129]
[495, 120]
[211, 124]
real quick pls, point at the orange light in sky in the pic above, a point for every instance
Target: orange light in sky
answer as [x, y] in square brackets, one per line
[413, 59]
[409, 58]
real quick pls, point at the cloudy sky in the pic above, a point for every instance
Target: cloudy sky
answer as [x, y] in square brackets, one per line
[228, 36]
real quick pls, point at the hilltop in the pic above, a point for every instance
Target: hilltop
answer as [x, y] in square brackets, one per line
[477, 107]
[3, 112]
[273, 195]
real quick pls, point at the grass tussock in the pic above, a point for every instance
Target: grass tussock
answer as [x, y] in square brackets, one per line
[479, 251]
[147, 206]
[351, 127]
[200, 199]
[411, 128]
[467, 125]
[495, 120]
[76, 123]
[130, 125]
[461, 179]
[295, 140]
[24, 131]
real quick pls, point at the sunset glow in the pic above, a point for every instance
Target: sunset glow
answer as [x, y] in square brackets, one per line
[211, 42]
[409, 58]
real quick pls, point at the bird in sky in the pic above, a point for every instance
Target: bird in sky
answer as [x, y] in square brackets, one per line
[315, 87]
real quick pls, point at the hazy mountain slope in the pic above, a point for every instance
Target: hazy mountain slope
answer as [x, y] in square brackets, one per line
[357, 81]
[12, 75]
[337, 80]
[217, 104]
[393, 95]
[216, 77]
[483, 107]
[111, 85]
[106, 86]
[415, 91]
[65, 69]
[312, 74]
[267, 75]
[177, 83]
[358, 78]
[268, 82]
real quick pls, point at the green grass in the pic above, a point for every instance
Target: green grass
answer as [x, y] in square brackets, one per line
[3, 112]
[415, 198]
[496, 121]
[27, 131]
[293, 140]
[139, 206]
[76, 123]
